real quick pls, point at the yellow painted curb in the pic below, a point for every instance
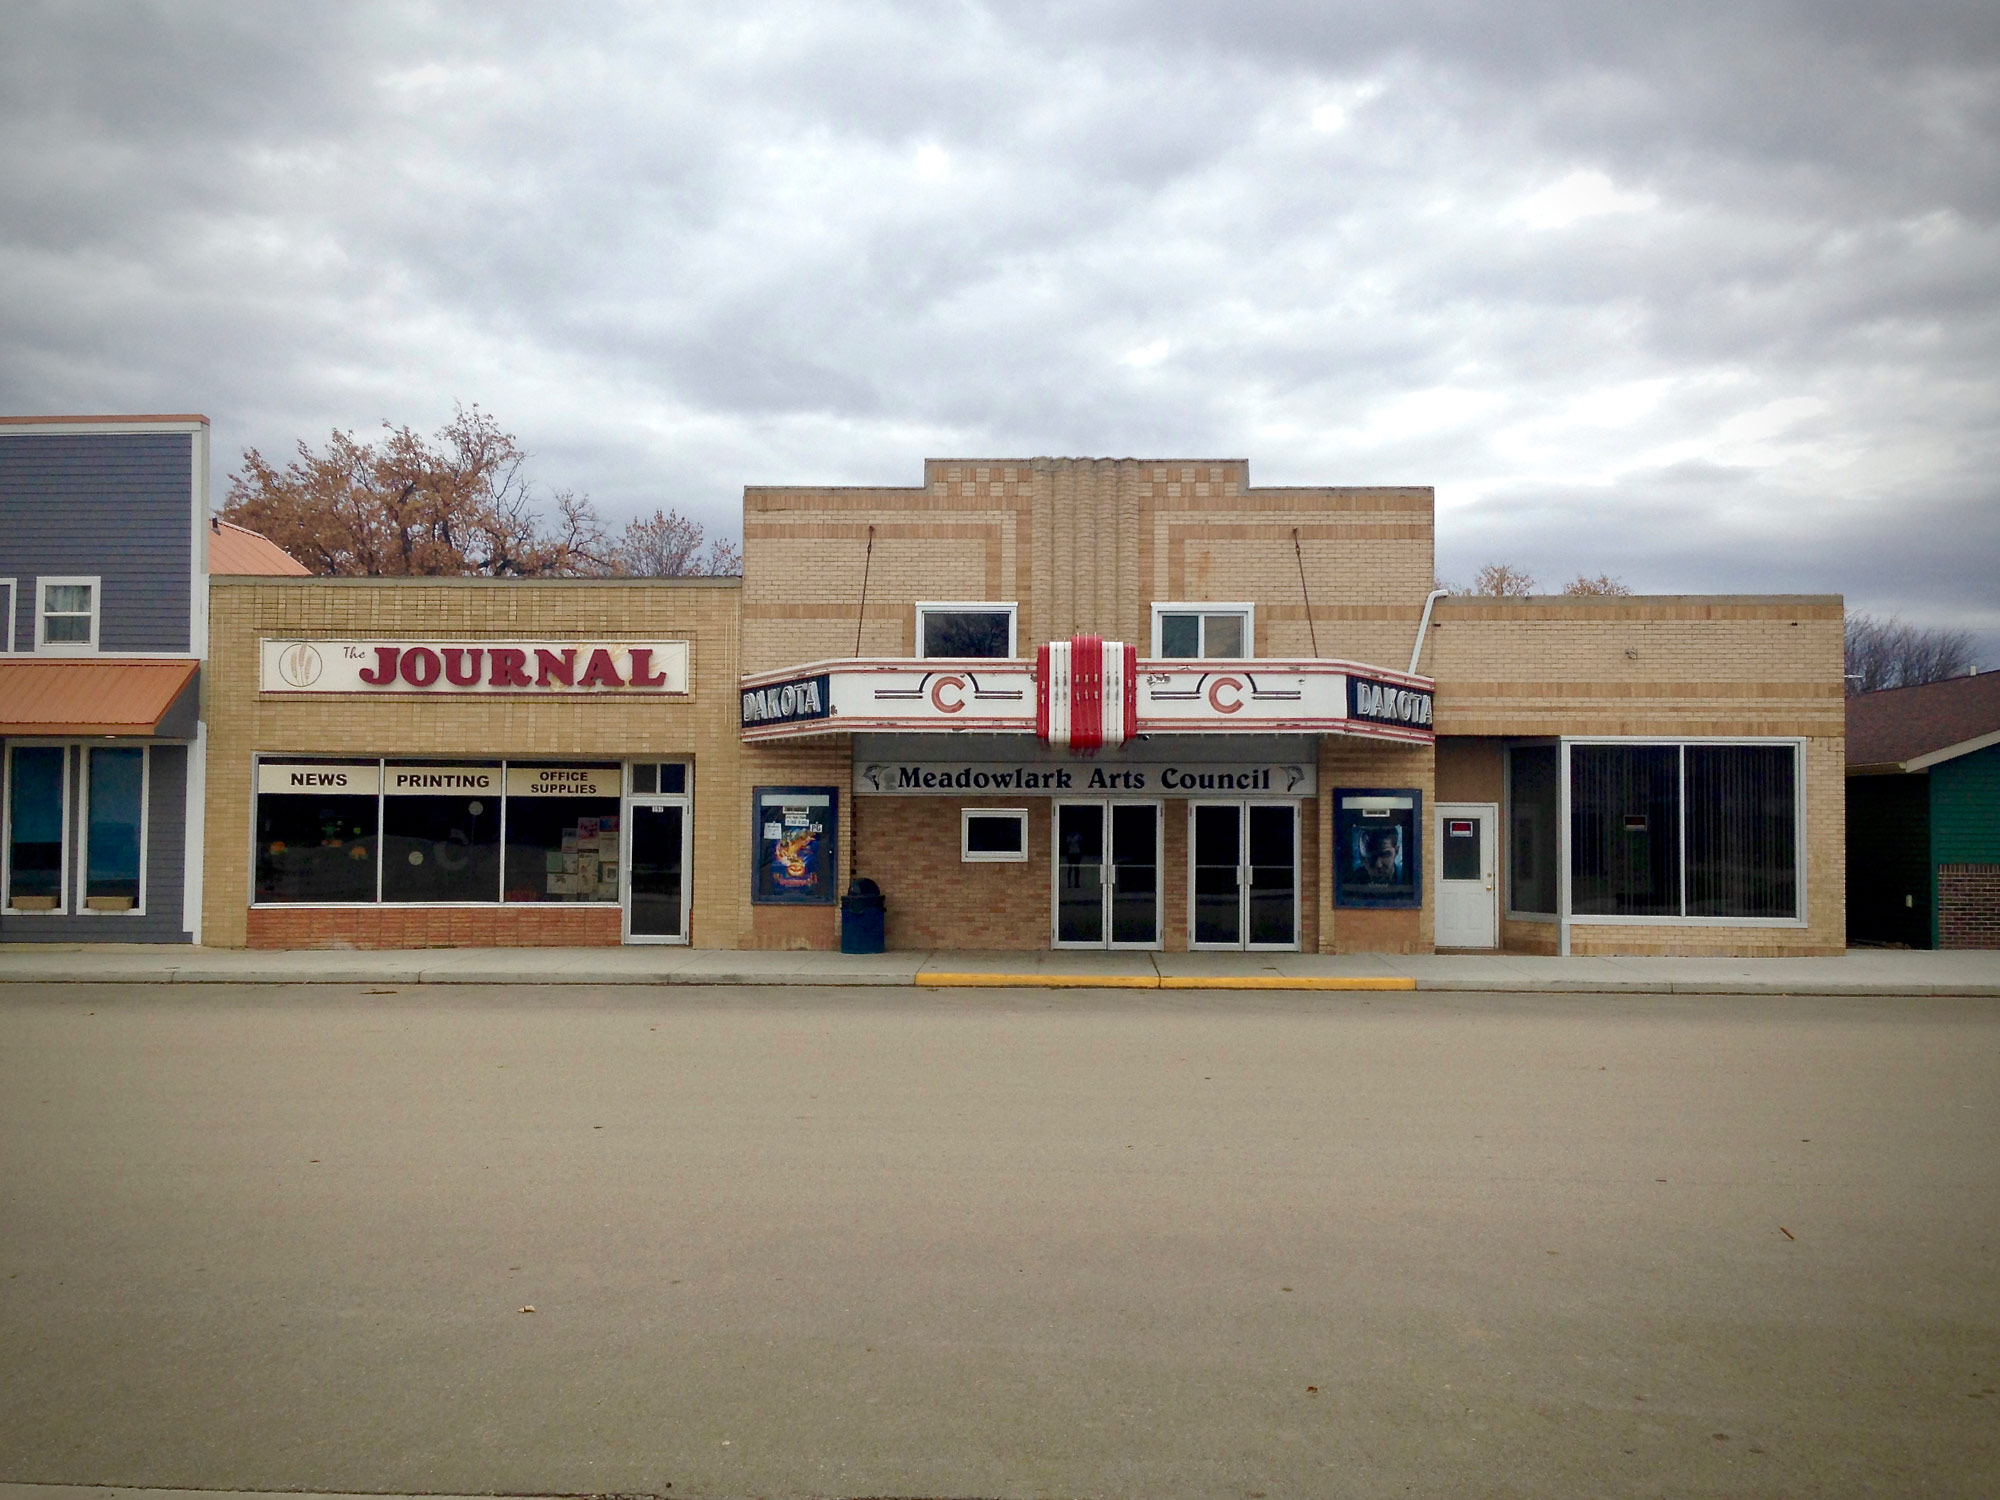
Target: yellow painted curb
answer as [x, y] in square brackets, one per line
[1043, 981]
[944, 979]
[1279, 982]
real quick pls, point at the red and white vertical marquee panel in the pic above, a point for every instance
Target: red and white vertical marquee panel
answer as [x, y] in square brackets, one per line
[1086, 694]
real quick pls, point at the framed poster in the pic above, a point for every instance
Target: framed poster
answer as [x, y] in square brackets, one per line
[1378, 848]
[794, 845]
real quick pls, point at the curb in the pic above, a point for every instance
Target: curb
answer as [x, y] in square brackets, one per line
[939, 979]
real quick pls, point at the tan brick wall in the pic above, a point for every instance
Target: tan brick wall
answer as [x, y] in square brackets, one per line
[1361, 765]
[702, 728]
[1083, 545]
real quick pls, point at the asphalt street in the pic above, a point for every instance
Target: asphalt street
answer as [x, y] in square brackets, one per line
[815, 1242]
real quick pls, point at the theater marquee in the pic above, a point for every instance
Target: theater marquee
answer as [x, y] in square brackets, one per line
[533, 668]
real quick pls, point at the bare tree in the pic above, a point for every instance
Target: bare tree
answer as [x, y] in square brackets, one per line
[1889, 653]
[454, 504]
[1584, 587]
[668, 544]
[1503, 581]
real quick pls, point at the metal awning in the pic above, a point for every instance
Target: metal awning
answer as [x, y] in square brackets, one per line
[68, 696]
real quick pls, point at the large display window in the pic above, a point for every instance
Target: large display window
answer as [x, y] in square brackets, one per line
[352, 831]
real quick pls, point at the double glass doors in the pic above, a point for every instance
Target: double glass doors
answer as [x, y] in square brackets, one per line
[1107, 875]
[1244, 890]
[1243, 874]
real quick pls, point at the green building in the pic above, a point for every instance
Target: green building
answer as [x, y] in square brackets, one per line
[1923, 815]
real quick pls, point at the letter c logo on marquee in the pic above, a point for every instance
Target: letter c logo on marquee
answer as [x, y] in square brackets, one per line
[956, 704]
[1214, 695]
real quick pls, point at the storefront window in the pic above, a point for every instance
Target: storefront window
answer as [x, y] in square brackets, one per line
[1742, 809]
[317, 823]
[562, 832]
[35, 816]
[115, 799]
[1532, 782]
[440, 832]
[1684, 831]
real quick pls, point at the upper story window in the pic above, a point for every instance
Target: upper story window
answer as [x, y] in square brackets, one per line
[1192, 631]
[961, 629]
[66, 616]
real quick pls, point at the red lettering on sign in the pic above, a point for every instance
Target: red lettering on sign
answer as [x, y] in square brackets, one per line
[642, 673]
[549, 665]
[452, 654]
[1214, 700]
[385, 666]
[938, 700]
[420, 666]
[602, 671]
[508, 662]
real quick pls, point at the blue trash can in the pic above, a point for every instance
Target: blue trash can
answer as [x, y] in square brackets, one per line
[864, 918]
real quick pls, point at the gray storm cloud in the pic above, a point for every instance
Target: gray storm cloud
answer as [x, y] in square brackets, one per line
[1705, 300]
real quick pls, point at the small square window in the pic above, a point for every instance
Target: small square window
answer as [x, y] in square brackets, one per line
[67, 617]
[994, 835]
[1189, 632]
[965, 630]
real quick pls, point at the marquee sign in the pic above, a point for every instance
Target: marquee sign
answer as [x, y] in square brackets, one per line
[1106, 777]
[1113, 697]
[437, 668]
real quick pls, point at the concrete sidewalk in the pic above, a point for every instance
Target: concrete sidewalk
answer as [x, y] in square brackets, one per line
[1859, 972]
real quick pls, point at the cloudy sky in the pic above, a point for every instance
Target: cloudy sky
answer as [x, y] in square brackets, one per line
[1703, 296]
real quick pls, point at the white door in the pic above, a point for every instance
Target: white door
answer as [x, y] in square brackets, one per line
[1468, 910]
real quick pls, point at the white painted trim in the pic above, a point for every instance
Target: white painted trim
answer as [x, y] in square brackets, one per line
[1207, 607]
[43, 584]
[84, 754]
[99, 429]
[198, 553]
[13, 593]
[63, 860]
[965, 817]
[194, 833]
[1921, 762]
[971, 606]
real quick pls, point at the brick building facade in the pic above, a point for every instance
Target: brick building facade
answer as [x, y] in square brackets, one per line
[1039, 702]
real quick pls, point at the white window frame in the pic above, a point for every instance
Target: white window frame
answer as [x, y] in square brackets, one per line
[83, 907]
[971, 606]
[965, 850]
[67, 859]
[12, 594]
[1242, 806]
[1680, 742]
[67, 648]
[1205, 608]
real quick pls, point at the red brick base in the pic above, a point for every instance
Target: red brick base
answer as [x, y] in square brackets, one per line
[548, 925]
[1969, 906]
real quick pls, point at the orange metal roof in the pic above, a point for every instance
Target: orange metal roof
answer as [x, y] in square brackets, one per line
[237, 549]
[46, 696]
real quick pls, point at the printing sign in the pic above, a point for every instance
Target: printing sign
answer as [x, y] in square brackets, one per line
[437, 668]
[796, 702]
[1387, 703]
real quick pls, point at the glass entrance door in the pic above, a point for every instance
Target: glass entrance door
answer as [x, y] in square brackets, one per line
[1243, 890]
[1107, 875]
[656, 888]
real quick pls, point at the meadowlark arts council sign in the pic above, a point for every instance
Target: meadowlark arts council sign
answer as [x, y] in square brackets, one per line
[419, 667]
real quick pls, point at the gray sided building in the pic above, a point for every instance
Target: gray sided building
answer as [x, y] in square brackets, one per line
[104, 534]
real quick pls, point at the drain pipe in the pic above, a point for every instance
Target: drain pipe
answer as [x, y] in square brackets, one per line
[1423, 626]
